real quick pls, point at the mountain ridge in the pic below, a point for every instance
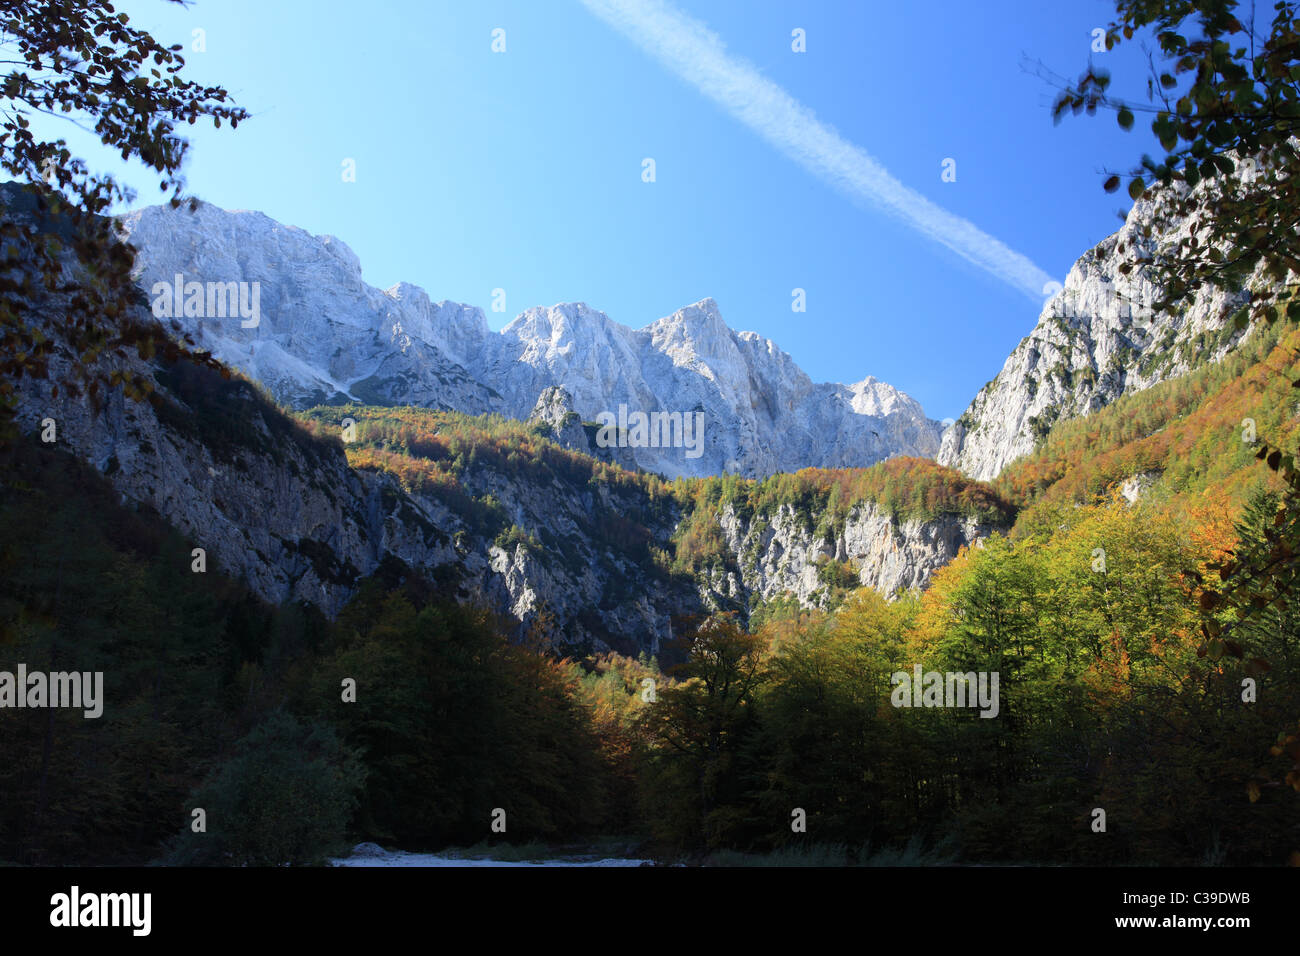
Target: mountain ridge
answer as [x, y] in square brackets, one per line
[325, 336]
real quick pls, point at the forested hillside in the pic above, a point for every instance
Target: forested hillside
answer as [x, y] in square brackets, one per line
[1194, 435]
[737, 542]
[1086, 609]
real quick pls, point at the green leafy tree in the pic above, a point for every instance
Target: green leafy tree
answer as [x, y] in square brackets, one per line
[699, 727]
[286, 796]
[829, 745]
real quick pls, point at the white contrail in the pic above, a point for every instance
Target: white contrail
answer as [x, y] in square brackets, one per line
[696, 54]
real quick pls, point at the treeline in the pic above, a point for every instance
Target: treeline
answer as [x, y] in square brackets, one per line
[86, 586]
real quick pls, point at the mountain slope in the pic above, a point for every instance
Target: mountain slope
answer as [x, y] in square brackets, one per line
[1191, 441]
[1096, 339]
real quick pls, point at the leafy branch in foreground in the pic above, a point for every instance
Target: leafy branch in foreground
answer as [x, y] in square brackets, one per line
[1225, 103]
[83, 62]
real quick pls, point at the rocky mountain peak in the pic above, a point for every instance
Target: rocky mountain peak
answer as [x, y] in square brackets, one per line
[553, 406]
[325, 336]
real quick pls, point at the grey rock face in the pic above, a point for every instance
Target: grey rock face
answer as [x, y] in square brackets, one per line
[324, 336]
[291, 518]
[1096, 339]
[1135, 486]
[554, 409]
[778, 554]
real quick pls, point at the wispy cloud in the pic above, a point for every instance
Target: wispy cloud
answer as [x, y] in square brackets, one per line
[688, 48]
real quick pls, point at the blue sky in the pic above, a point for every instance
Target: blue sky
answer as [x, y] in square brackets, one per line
[522, 170]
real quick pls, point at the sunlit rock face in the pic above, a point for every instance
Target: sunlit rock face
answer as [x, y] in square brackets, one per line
[1097, 339]
[325, 336]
